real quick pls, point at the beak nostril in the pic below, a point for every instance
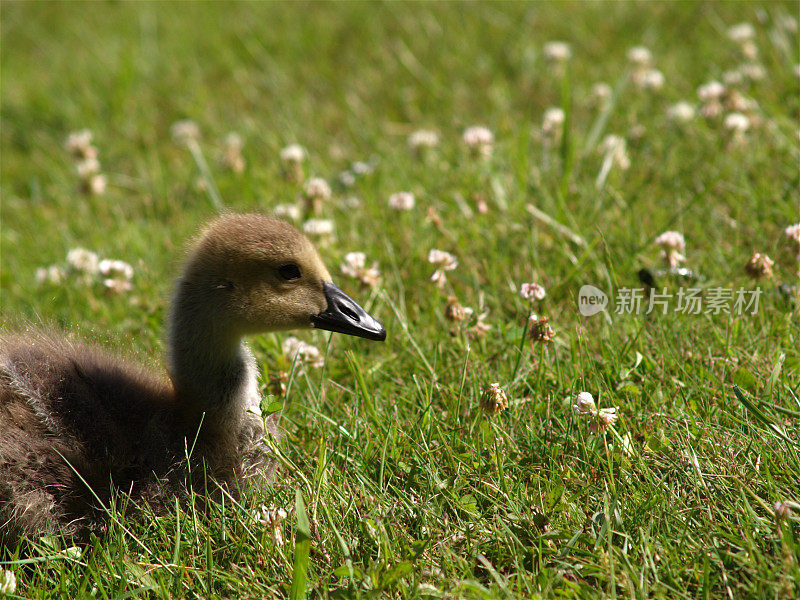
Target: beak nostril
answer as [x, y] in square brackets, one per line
[346, 311]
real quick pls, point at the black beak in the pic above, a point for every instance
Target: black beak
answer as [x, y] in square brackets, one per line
[345, 315]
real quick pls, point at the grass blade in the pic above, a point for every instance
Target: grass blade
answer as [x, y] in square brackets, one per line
[302, 547]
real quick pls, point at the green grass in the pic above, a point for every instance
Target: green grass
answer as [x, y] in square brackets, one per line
[409, 489]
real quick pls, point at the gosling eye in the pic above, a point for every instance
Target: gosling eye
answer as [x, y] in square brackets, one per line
[289, 272]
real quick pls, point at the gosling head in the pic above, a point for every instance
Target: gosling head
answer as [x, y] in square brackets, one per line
[256, 274]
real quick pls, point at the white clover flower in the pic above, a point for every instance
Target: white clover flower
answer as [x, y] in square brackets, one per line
[493, 399]
[87, 167]
[347, 179]
[736, 122]
[317, 188]
[553, 122]
[232, 152]
[73, 552]
[601, 91]
[782, 510]
[52, 274]
[584, 404]
[115, 268]
[615, 147]
[479, 140]
[455, 312]
[793, 233]
[786, 23]
[443, 260]
[481, 327]
[97, 184]
[117, 275]
[742, 32]
[753, 71]
[79, 144]
[639, 56]
[185, 132]
[83, 260]
[732, 78]
[713, 90]
[318, 227]
[557, 51]
[293, 153]
[8, 582]
[759, 266]
[288, 211]
[671, 240]
[361, 168]
[540, 330]
[672, 246]
[607, 417]
[423, 138]
[650, 79]
[354, 264]
[681, 112]
[302, 352]
[532, 291]
[402, 201]
[272, 518]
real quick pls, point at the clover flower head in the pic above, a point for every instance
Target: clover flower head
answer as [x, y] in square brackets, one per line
[232, 152]
[713, 90]
[53, 275]
[759, 266]
[672, 246]
[601, 91]
[479, 140]
[540, 330]
[354, 264]
[423, 138]
[793, 234]
[318, 227]
[584, 404]
[557, 51]
[401, 201]
[83, 260]
[293, 153]
[288, 211]
[553, 122]
[736, 122]
[493, 399]
[8, 582]
[317, 188]
[615, 148]
[681, 112]
[185, 132]
[639, 56]
[79, 144]
[742, 32]
[302, 352]
[532, 291]
[87, 168]
[455, 312]
[272, 518]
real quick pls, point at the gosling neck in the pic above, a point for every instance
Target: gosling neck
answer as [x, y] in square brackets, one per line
[212, 370]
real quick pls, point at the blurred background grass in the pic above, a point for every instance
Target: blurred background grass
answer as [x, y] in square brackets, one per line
[350, 82]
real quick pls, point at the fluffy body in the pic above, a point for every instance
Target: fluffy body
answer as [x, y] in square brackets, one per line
[78, 425]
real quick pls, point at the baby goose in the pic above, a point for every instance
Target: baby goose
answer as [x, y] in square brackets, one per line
[76, 424]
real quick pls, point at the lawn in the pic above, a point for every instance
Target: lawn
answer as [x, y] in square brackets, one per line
[402, 476]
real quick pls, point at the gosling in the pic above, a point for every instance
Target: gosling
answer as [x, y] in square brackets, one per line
[78, 426]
